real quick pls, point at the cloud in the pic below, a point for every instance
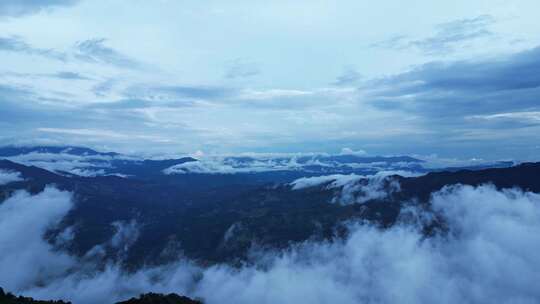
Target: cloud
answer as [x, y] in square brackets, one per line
[84, 132]
[95, 51]
[447, 36]
[356, 189]
[88, 165]
[195, 92]
[532, 117]
[452, 33]
[70, 76]
[349, 151]
[350, 76]
[242, 69]
[17, 45]
[448, 98]
[18, 104]
[489, 252]
[17, 8]
[102, 134]
[126, 235]
[101, 89]
[273, 94]
[26, 257]
[438, 90]
[334, 180]
[173, 96]
[92, 51]
[147, 101]
[7, 177]
[395, 42]
[307, 163]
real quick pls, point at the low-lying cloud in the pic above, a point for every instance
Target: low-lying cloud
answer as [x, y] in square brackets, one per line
[26, 258]
[7, 177]
[488, 254]
[356, 189]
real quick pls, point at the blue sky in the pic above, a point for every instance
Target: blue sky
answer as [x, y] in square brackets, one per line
[458, 78]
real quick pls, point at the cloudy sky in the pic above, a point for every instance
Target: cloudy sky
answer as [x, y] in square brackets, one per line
[459, 78]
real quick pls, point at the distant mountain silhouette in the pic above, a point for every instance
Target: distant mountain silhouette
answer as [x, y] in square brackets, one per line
[155, 298]
[90, 162]
[9, 298]
[149, 298]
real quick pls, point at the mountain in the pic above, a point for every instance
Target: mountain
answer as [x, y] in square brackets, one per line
[233, 212]
[149, 298]
[87, 162]
[154, 298]
[224, 170]
[9, 298]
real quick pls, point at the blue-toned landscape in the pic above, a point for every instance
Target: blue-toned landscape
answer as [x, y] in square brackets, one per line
[189, 152]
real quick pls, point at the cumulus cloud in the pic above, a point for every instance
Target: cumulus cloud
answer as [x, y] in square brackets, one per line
[488, 253]
[7, 177]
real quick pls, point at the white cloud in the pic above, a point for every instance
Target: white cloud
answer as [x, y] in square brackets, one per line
[7, 177]
[126, 234]
[338, 180]
[26, 258]
[349, 151]
[308, 162]
[87, 165]
[531, 116]
[272, 94]
[356, 188]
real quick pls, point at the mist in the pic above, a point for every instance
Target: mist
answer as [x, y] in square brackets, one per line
[490, 251]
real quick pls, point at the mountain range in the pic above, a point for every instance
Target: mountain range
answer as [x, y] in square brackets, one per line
[234, 212]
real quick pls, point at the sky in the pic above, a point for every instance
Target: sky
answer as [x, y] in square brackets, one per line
[453, 78]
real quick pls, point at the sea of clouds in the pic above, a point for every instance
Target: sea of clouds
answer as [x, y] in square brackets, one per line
[489, 254]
